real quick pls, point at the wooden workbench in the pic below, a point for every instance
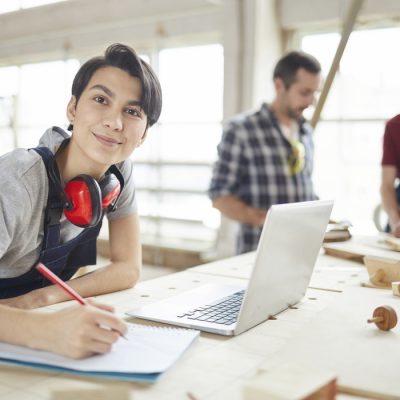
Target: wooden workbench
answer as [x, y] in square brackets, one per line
[328, 330]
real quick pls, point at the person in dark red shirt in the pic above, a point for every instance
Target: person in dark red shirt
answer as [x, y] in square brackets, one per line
[390, 188]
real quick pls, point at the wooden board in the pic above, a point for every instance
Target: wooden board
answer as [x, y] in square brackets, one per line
[382, 271]
[393, 243]
[359, 247]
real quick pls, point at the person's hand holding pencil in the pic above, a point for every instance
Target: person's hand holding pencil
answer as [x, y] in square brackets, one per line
[90, 329]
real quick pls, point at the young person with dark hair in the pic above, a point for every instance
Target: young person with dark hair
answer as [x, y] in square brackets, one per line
[54, 196]
[266, 157]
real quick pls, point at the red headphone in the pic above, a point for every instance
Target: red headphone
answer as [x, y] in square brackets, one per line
[84, 199]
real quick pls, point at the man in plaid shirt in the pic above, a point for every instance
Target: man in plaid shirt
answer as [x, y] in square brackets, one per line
[266, 157]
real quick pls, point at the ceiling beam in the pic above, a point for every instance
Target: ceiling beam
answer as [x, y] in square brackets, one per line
[68, 28]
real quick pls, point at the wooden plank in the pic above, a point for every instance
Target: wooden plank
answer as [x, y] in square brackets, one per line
[360, 246]
[382, 271]
[393, 243]
[291, 382]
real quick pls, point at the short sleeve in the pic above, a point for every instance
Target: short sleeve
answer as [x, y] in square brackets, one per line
[20, 204]
[127, 202]
[391, 143]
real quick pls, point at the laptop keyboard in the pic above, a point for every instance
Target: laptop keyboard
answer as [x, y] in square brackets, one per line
[225, 311]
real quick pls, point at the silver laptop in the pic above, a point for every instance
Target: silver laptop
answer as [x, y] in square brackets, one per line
[288, 248]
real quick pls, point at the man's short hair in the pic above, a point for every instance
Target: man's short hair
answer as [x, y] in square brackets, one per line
[287, 67]
[124, 57]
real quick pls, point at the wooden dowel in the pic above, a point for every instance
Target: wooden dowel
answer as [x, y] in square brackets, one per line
[346, 31]
[375, 319]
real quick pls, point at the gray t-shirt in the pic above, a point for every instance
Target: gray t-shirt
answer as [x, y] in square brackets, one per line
[23, 199]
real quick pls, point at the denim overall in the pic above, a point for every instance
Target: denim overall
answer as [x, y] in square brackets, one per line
[63, 259]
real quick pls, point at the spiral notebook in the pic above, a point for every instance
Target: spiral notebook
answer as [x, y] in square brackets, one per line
[147, 352]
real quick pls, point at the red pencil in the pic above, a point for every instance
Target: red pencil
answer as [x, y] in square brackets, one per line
[56, 280]
[60, 283]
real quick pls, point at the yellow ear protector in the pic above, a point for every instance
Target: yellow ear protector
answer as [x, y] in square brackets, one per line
[296, 159]
[84, 199]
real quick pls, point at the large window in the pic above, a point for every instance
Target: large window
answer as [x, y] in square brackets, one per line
[173, 169]
[348, 138]
[33, 97]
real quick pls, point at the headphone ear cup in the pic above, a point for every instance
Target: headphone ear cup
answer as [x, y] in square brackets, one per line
[110, 189]
[85, 195]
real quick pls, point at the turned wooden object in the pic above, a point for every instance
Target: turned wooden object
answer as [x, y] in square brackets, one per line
[384, 317]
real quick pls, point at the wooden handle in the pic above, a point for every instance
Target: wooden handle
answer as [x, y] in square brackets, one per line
[384, 317]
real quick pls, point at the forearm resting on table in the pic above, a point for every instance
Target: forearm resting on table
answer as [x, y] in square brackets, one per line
[111, 278]
[22, 327]
[233, 208]
[389, 204]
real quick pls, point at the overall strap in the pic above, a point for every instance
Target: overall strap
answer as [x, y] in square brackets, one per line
[54, 206]
[115, 170]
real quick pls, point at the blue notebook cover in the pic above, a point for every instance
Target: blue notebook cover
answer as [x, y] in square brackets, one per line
[112, 375]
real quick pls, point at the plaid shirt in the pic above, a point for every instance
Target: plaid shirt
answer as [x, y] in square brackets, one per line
[253, 166]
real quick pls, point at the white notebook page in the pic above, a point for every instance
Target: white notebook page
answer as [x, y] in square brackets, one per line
[148, 350]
